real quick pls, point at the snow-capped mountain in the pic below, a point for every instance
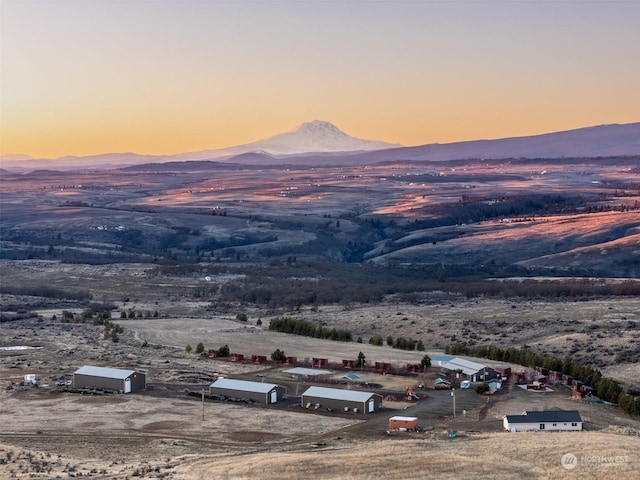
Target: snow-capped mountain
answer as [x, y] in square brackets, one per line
[316, 136]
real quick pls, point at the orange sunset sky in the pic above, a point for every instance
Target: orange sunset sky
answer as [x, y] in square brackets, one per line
[164, 77]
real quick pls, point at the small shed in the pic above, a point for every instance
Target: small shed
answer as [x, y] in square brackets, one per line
[344, 400]
[383, 367]
[291, 360]
[265, 393]
[414, 368]
[105, 378]
[319, 362]
[409, 423]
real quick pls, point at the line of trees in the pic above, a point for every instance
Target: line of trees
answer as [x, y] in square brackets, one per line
[606, 388]
[45, 291]
[324, 283]
[308, 329]
[402, 343]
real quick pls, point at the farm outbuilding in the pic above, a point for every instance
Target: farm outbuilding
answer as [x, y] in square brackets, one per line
[344, 400]
[474, 371]
[319, 362]
[548, 420]
[306, 372]
[266, 393]
[408, 423]
[105, 378]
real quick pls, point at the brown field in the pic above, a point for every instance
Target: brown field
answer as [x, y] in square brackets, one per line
[161, 434]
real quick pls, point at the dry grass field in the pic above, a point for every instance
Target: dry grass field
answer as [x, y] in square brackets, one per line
[161, 433]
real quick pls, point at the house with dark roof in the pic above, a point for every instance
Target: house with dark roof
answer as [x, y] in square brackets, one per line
[105, 378]
[542, 421]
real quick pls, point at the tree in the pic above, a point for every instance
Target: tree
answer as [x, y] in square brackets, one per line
[361, 360]
[200, 348]
[426, 361]
[278, 355]
[482, 388]
[359, 340]
[241, 317]
[390, 341]
[223, 351]
[188, 348]
[259, 322]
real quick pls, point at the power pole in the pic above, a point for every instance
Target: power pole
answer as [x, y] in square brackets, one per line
[453, 396]
[203, 404]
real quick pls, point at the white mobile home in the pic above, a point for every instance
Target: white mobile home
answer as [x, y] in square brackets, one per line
[548, 420]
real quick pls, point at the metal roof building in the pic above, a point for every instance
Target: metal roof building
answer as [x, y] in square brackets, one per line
[105, 378]
[306, 372]
[338, 399]
[475, 371]
[406, 423]
[266, 393]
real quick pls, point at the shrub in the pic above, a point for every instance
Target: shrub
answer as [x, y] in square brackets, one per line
[278, 355]
[482, 388]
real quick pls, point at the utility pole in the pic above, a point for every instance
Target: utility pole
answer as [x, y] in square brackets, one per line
[203, 404]
[453, 396]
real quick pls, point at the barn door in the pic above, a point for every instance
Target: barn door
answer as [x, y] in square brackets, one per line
[274, 396]
[371, 406]
[127, 385]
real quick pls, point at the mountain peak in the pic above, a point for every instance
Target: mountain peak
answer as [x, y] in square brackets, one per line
[318, 127]
[317, 136]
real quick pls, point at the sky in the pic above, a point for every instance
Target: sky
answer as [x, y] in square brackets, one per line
[164, 77]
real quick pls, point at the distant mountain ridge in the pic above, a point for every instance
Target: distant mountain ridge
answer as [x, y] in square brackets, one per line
[324, 144]
[597, 141]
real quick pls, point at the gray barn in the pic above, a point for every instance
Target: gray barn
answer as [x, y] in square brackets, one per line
[123, 381]
[343, 400]
[258, 392]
